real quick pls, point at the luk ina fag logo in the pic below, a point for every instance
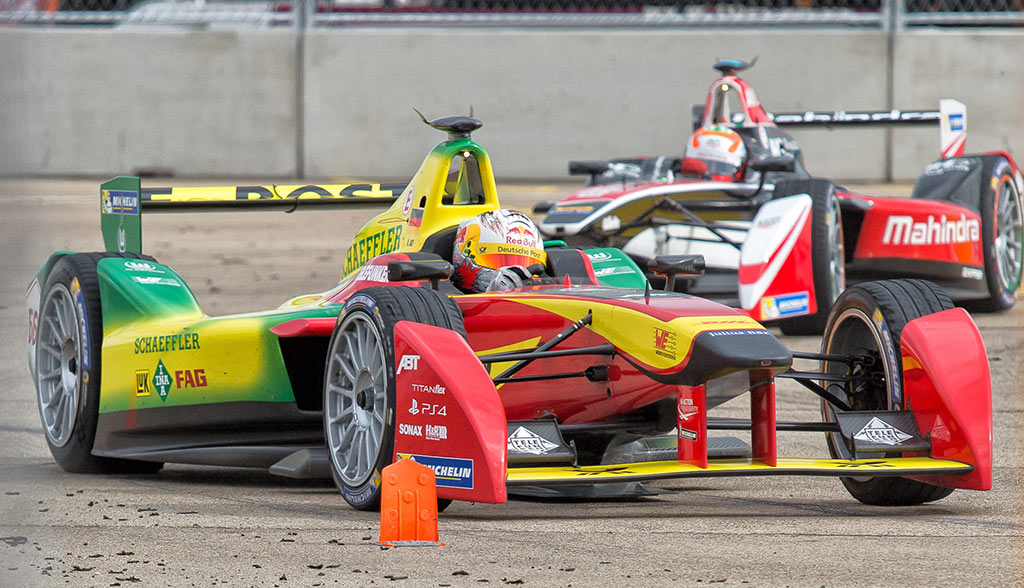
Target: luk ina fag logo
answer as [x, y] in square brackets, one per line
[162, 380]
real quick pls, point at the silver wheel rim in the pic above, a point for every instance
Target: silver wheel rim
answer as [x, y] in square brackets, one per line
[852, 314]
[58, 361]
[1008, 238]
[836, 261]
[355, 399]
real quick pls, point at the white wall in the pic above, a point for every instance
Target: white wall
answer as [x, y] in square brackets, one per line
[223, 102]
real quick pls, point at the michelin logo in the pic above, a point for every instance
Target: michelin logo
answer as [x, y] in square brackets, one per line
[451, 472]
[773, 307]
[120, 202]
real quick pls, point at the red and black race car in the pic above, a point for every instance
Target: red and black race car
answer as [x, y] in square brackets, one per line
[781, 245]
[583, 375]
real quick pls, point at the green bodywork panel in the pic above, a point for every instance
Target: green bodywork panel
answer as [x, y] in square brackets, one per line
[616, 269]
[159, 349]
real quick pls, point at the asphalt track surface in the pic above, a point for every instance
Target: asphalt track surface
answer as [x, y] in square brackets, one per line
[204, 526]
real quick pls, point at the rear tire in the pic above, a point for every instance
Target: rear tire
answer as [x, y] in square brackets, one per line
[1001, 235]
[68, 370]
[869, 318]
[828, 265]
[359, 383]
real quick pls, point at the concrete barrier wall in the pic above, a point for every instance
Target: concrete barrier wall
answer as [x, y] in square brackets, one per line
[549, 96]
[982, 69]
[113, 101]
[224, 102]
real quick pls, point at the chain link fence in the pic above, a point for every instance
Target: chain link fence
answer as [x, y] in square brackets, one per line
[889, 14]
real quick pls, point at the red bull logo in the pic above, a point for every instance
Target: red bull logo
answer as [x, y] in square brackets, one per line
[520, 235]
[521, 231]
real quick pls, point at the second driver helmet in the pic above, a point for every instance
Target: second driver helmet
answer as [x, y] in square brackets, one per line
[719, 149]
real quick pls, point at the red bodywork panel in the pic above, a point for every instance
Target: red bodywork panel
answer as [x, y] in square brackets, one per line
[692, 425]
[794, 277]
[374, 273]
[907, 228]
[305, 327]
[448, 415]
[501, 322]
[950, 393]
[763, 444]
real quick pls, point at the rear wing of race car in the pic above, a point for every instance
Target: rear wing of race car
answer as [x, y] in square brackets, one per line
[951, 118]
[122, 201]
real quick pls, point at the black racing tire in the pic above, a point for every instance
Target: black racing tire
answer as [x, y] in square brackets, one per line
[869, 318]
[359, 413]
[68, 372]
[828, 265]
[1002, 235]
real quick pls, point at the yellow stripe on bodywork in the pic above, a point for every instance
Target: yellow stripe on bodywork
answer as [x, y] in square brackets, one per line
[633, 331]
[656, 470]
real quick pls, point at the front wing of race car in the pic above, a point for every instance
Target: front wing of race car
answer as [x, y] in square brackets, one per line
[478, 455]
[663, 470]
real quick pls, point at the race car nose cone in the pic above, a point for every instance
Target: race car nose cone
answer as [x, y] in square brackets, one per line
[719, 353]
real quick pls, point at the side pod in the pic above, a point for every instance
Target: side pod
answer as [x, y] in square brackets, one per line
[448, 414]
[775, 272]
[948, 388]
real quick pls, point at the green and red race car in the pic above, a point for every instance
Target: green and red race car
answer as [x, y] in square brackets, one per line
[582, 376]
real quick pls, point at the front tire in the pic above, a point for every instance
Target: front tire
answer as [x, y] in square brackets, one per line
[828, 266]
[869, 319]
[68, 370]
[359, 383]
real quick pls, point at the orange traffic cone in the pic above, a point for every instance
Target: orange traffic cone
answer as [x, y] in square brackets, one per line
[408, 505]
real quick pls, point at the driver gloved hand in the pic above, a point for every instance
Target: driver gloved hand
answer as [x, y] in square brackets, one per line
[509, 277]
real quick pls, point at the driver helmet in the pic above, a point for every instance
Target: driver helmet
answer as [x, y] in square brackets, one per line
[717, 151]
[493, 240]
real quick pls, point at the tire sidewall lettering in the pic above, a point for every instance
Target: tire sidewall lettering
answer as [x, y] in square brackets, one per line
[890, 355]
[364, 493]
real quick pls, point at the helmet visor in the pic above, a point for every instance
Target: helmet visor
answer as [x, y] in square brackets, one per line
[496, 255]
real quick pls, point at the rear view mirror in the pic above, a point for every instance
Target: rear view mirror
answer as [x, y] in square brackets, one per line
[543, 207]
[782, 163]
[587, 168]
[671, 266]
[420, 269]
